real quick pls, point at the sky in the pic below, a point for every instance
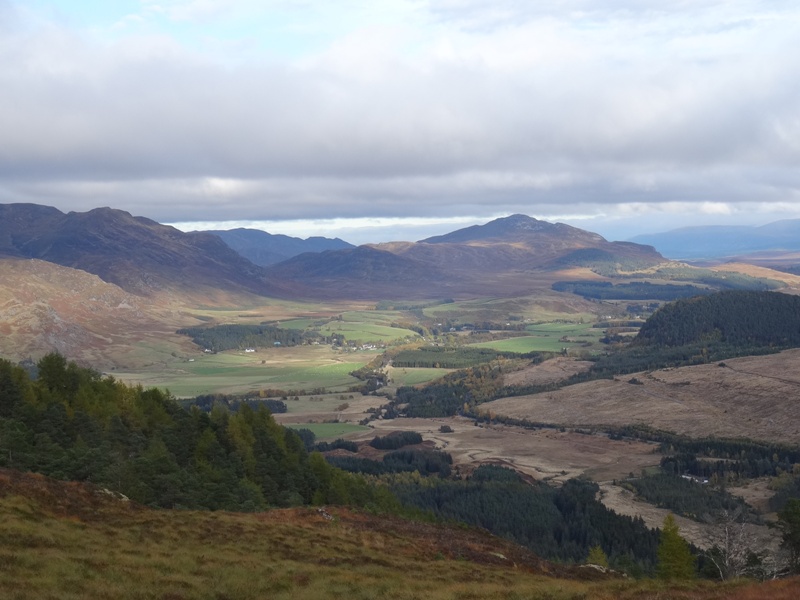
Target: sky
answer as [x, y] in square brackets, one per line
[376, 120]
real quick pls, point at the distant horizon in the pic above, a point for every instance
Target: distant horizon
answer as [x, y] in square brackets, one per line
[359, 231]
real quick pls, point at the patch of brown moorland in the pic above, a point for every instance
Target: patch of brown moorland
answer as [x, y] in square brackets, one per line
[64, 498]
[743, 397]
[550, 371]
[542, 454]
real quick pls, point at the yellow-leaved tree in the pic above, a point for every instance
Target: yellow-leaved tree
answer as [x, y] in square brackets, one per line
[675, 559]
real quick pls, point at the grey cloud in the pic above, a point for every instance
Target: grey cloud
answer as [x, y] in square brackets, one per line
[160, 132]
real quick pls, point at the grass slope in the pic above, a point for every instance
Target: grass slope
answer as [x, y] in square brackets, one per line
[68, 541]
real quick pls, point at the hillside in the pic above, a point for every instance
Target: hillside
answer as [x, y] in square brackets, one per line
[264, 249]
[746, 397]
[362, 272]
[137, 254]
[736, 318]
[46, 307]
[77, 541]
[522, 242]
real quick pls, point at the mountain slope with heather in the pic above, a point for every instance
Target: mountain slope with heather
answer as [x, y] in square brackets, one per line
[138, 255]
[78, 541]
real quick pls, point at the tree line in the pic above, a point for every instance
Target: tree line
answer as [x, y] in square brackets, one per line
[219, 338]
[440, 357]
[637, 290]
[75, 424]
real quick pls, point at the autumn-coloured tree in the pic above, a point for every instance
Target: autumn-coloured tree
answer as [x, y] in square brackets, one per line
[675, 559]
[597, 557]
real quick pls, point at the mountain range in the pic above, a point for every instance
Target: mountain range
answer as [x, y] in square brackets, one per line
[769, 242]
[142, 257]
[264, 249]
[137, 254]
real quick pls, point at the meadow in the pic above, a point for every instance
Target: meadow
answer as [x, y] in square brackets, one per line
[550, 337]
[299, 367]
[414, 376]
[328, 431]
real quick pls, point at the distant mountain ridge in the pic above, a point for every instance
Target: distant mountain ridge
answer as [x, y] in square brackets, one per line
[508, 255]
[135, 253]
[720, 242]
[264, 249]
[522, 242]
[512, 229]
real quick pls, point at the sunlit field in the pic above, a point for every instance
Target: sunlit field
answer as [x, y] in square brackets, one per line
[297, 368]
[550, 337]
[326, 431]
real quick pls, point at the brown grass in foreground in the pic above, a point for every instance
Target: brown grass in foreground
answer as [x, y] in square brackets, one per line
[65, 540]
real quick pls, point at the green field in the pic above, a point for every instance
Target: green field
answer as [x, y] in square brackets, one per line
[297, 323]
[376, 317]
[326, 431]
[528, 343]
[319, 403]
[366, 332]
[301, 367]
[415, 376]
[549, 337]
[570, 329]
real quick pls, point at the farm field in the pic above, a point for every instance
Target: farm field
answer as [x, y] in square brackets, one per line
[359, 331]
[298, 324]
[550, 337]
[298, 367]
[528, 343]
[349, 407]
[401, 376]
[569, 329]
[329, 431]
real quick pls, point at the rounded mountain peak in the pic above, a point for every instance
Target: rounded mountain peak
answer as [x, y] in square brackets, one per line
[513, 228]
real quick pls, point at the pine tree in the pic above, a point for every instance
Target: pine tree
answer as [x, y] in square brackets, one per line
[675, 559]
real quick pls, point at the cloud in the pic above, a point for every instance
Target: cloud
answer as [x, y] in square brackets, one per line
[464, 108]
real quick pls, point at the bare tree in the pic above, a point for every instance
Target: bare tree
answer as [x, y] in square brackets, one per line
[734, 556]
[732, 552]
